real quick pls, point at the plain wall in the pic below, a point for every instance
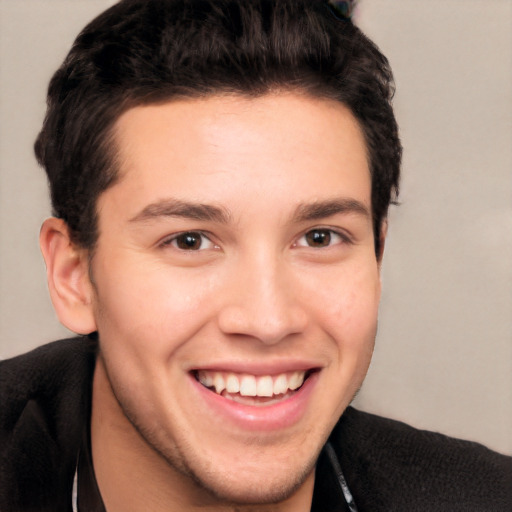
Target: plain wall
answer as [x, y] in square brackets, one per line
[443, 358]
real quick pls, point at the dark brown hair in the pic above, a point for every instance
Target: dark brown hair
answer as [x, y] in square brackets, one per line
[148, 51]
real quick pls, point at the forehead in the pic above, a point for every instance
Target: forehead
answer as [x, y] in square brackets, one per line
[281, 145]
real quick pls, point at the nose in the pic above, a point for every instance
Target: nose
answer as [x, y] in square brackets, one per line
[263, 303]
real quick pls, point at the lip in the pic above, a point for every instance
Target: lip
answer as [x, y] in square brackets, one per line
[265, 418]
[252, 368]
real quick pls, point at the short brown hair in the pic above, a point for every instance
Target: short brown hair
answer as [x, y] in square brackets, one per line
[147, 51]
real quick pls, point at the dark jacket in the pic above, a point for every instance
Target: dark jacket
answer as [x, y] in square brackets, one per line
[45, 404]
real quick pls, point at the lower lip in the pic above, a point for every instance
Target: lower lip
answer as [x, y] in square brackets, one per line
[276, 416]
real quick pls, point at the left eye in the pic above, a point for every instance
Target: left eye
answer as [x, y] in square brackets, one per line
[320, 238]
[190, 241]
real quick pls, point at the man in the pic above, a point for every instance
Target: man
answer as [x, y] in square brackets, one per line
[220, 174]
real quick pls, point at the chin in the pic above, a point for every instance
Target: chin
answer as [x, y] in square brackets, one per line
[253, 487]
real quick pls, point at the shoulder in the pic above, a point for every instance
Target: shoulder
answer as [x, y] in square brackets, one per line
[54, 370]
[393, 466]
[44, 406]
[52, 377]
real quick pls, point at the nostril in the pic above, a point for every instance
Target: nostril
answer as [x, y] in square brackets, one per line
[270, 325]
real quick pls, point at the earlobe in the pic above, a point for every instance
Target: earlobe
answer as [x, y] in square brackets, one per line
[67, 271]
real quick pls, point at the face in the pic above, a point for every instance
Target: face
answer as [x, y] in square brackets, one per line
[236, 285]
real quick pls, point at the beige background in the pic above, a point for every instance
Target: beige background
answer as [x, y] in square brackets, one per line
[444, 350]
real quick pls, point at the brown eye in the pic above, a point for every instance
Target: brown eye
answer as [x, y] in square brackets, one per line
[190, 241]
[318, 237]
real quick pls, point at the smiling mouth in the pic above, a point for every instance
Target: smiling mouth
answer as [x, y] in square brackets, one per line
[254, 390]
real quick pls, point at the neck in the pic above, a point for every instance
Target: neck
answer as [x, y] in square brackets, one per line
[133, 477]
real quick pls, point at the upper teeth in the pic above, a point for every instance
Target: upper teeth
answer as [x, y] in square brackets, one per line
[251, 385]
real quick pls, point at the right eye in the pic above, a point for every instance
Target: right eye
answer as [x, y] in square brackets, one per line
[189, 241]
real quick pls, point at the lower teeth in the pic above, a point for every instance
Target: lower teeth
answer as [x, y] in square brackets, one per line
[255, 400]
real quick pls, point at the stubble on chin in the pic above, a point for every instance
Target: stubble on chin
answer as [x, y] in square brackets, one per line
[180, 465]
[210, 486]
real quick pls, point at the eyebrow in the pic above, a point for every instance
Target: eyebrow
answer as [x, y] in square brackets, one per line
[206, 212]
[323, 209]
[187, 210]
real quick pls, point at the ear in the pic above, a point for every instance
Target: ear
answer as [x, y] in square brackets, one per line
[67, 270]
[382, 241]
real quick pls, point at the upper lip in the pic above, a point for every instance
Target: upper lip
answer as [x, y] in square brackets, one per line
[258, 368]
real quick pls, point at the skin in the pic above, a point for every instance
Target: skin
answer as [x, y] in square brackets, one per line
[255, 292]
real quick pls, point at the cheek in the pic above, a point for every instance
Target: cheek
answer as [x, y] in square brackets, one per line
[348, 308]
[150, 309]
